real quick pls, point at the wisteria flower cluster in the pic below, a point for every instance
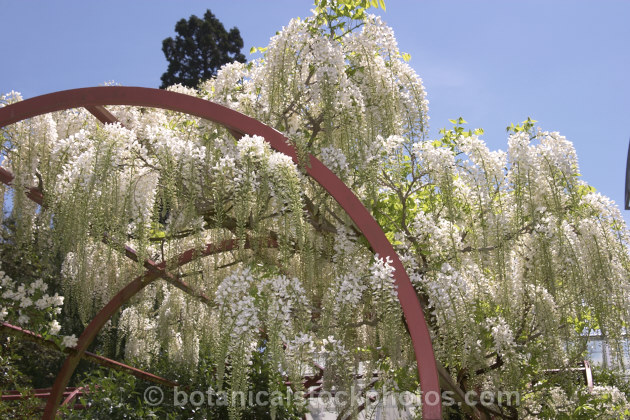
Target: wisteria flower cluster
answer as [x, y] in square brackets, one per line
[32, 308]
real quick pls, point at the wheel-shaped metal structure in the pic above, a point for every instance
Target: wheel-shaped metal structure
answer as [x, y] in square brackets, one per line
[94, 99]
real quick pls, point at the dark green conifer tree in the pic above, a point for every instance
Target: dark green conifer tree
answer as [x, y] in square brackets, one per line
[200, 48]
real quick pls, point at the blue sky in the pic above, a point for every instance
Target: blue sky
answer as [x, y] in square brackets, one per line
[565, 63]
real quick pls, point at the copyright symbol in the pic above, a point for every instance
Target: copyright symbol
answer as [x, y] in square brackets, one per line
[153, 396]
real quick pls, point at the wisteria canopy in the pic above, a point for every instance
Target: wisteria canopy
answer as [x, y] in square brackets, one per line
[517, 259]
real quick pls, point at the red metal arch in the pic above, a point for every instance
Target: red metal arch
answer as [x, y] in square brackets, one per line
[240, 124]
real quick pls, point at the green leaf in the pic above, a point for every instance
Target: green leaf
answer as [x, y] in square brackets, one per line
[157, 231]
[382, 3]
[406, 57]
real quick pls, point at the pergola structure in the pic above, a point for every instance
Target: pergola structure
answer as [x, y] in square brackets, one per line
[432, 376]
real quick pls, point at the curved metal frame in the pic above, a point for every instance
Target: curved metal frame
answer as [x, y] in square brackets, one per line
[95, 98]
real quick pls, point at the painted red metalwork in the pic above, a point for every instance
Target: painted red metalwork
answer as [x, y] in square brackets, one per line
[72, 395]
[153, 269]
[95, 358]
[154, 272]
[33, 193]
[35, 393]
[239, 124]
[102, 114]
[94, 327]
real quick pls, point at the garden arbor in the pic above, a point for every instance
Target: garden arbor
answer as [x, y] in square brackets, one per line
[95, 99]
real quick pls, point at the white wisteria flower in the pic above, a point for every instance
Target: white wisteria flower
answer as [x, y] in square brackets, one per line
[69, 341]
